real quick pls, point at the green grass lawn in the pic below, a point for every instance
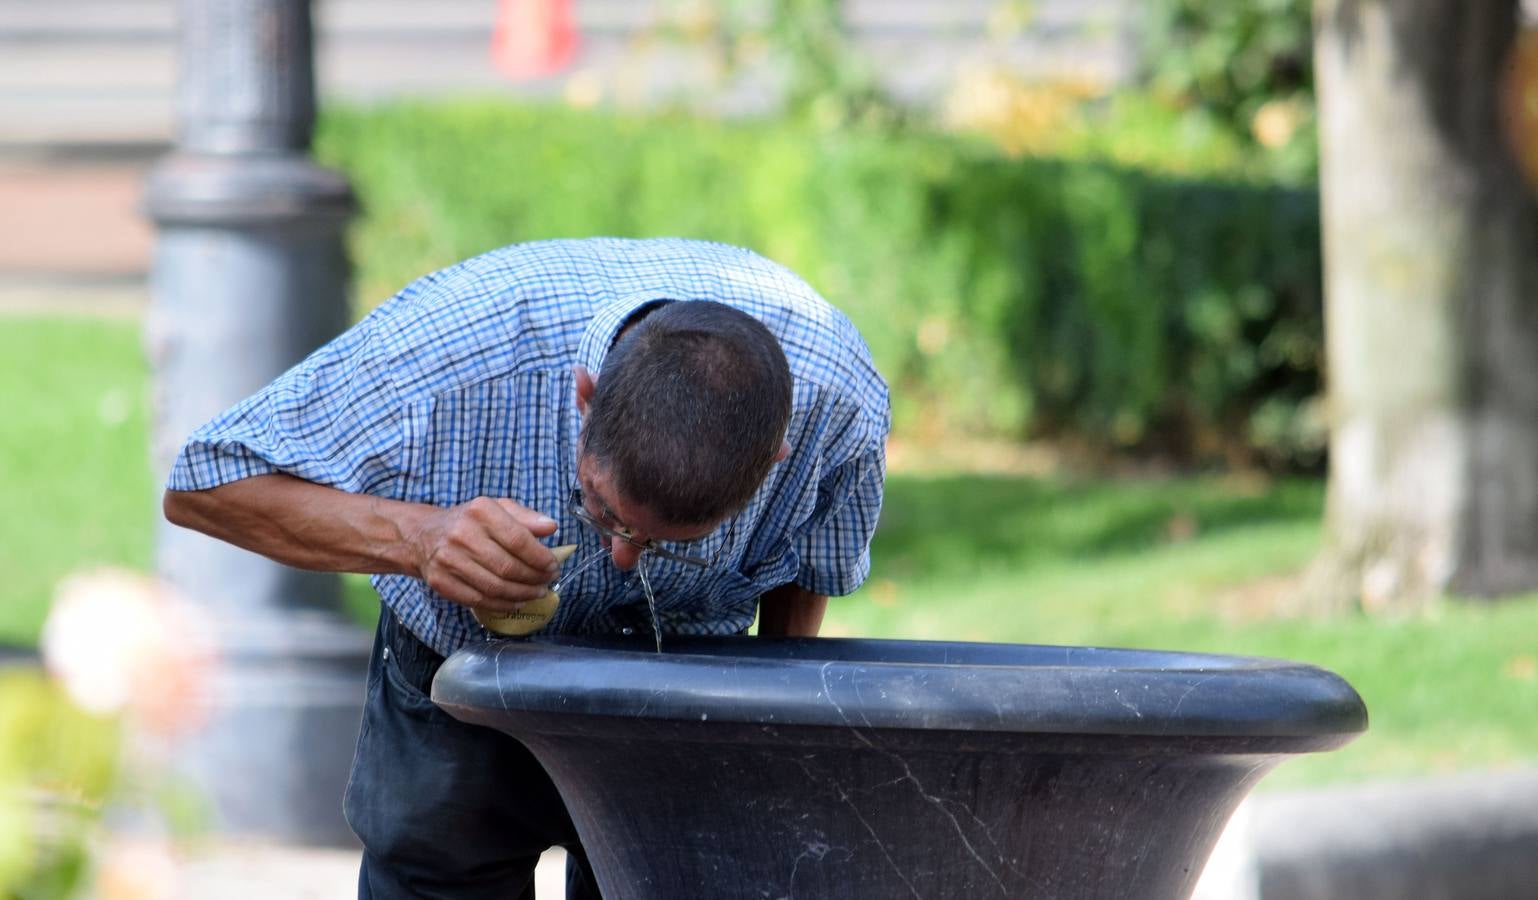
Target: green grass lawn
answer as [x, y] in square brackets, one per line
[1197, 564]
[75, 483]
[1181, 563]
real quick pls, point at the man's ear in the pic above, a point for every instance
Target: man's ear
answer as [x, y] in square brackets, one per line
[587, 383]
[783, 452]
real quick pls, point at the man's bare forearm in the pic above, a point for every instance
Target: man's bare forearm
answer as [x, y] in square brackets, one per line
[306, 525]
[790, 611]
[484, 553]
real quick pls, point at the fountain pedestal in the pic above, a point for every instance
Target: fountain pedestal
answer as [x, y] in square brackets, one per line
[745, 767]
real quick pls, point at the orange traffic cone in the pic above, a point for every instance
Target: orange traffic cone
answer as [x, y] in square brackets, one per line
[533, 38]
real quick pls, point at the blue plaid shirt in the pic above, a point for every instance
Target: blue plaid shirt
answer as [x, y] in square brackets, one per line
[460, 386]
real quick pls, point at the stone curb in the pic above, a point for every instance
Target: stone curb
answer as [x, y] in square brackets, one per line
[1460, 837]
[73, 294]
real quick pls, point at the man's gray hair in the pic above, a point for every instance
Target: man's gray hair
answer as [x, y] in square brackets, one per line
[690, 410]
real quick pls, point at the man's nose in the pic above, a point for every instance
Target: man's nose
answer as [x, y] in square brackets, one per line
[625, 553]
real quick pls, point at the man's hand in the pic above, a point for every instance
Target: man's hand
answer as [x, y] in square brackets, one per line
[486, 554]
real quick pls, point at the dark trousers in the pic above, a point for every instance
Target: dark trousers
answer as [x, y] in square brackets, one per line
[445, 809]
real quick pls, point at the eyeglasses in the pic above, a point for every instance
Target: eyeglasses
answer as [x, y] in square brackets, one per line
[579, 510]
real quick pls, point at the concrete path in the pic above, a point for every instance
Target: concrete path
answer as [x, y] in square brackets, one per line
[267, 872]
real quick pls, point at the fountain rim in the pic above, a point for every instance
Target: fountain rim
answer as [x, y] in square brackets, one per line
[785, 682]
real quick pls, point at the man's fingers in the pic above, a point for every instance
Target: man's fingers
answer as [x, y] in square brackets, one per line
[450, 587]
[463, 593]
[490, 578]
[493, 518]
[501, 597]
[486, 587]
[486, 557]
[537, 522]
[480, 549]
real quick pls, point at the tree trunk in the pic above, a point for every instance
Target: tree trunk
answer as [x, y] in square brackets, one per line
[1431, 285]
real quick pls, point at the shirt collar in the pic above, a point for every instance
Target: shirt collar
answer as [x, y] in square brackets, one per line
[605, 325]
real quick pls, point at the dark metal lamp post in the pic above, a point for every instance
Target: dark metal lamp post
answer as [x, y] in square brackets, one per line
[250, 275]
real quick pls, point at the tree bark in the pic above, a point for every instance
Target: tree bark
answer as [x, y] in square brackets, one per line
[1431, 286]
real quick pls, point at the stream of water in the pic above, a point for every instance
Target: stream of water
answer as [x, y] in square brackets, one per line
[646, 587]
[651, 599]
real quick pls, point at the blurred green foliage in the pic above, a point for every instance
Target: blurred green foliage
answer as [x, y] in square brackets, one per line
[1128, 309]
[1245, 65]
[57, 766]
[77, 487]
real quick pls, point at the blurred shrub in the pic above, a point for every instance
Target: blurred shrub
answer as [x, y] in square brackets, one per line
[1243, 65]
[1021, 116]
[828, 79]
[57, 766]
[1128, 309]
[1078, 120]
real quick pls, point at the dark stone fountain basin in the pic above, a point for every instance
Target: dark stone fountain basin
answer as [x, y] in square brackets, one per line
[825, 768]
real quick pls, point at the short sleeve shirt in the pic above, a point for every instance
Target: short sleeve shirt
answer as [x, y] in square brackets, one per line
[461, 386]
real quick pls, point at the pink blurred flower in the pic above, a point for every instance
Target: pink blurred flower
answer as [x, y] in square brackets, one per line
[136, 868]
[120, 641]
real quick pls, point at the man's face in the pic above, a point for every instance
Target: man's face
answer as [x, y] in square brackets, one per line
[610, 508]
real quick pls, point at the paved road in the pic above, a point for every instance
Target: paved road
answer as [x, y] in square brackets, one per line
[79, 220]
[86, 88]
[103, 70]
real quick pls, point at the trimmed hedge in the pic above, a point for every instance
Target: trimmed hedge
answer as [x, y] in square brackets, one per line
[1129, 310]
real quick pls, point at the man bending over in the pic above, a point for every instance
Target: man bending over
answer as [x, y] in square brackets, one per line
[703, 426]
